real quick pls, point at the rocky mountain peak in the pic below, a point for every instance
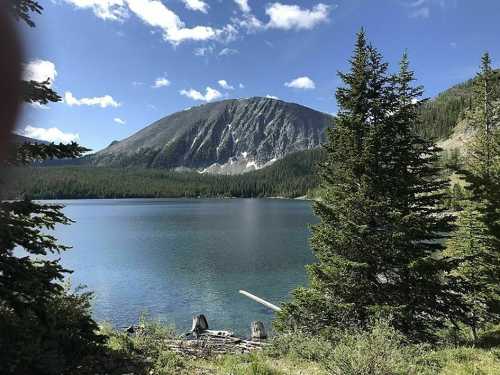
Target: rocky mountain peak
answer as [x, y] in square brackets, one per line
[229, 136]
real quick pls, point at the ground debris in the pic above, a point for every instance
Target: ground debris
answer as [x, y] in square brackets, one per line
[211, 343]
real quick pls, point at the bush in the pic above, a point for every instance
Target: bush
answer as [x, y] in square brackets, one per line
[379, 351]
[299, 346]
[465, 361]
[146, 351]
[50, 342]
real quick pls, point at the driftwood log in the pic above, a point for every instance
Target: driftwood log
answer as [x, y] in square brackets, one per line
[260, 300]
[205, 342]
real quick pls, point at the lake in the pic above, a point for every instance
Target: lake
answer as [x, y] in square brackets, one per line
[174, 258]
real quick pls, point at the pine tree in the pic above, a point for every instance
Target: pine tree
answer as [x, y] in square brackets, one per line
[482, 162]
[476, 242]
[478, 268]
[44, 329]
[32, 91]
[380, 213]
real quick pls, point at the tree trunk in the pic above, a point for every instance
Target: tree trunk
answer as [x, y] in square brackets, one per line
[258, 331]
[200, 324]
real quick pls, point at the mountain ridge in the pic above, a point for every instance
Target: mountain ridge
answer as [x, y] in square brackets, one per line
[229, 137]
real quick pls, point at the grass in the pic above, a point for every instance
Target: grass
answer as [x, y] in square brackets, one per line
[378, 351]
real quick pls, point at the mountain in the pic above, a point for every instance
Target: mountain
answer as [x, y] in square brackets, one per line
[226, 137]
[21, 139]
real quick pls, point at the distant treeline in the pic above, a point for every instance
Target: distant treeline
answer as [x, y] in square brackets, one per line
[290, 177]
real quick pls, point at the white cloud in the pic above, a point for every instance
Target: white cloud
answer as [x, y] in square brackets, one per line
[243, 4]
[271, 97]
[114, 10]
[249, 22]
[226, 86]
[204, 51]
[156, 14]
[228, 51]
[241, 86]
[421, 13]
[197, 5]
[210, 94]
[161, 82]
[119, 121]
[101, 101]
[304, 83]
[40, 71]
[417, 3]
[288, 17]
[50, 135]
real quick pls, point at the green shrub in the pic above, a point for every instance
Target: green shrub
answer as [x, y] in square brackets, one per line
[149, 339]
[490, 337]
[300, 347]
[379, 351]
[51, 340]
[168, 363]
[465, 361]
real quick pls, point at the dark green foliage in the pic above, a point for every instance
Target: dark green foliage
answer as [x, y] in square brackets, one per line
[44, 329]
[21, 10]
[439, 116]
[381, 212]
[482, 164]
[50, 339]
[32, 91]
[290, 177]
[476, 241]
[38, 92]
[27, 153]
[478, 268]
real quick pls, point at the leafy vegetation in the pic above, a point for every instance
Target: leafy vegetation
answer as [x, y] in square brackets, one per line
[378, 350]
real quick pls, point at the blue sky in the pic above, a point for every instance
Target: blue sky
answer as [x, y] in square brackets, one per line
[122, 64]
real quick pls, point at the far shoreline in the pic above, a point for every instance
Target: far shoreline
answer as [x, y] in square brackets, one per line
[300, 198]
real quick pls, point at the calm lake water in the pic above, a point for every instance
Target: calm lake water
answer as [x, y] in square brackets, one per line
[174, 258]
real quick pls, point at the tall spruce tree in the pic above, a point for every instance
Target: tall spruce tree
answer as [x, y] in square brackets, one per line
[475, 243]
[380, 217]
[482, 161]
[478, 268]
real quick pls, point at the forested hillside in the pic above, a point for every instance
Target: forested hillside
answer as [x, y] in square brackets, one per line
[441, 115]
[292, 176]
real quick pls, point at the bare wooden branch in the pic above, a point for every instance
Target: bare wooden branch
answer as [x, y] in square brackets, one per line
[260, 300]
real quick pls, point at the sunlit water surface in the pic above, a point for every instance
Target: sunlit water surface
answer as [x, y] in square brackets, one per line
[174, 258]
